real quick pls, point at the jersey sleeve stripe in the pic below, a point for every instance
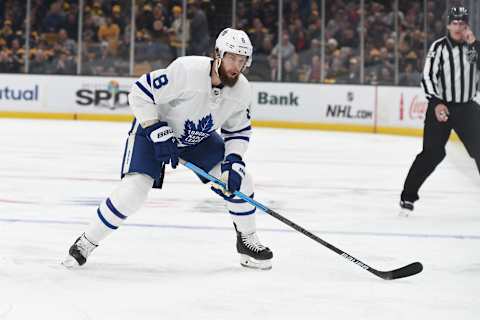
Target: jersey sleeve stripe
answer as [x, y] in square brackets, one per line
[237, 131]
[238, 138]
[148, 93]
[149, 80]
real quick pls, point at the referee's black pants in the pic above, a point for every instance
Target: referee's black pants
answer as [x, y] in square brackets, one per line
[464, 118]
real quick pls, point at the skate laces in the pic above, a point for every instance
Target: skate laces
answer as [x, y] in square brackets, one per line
[252, 242]
[85, 246]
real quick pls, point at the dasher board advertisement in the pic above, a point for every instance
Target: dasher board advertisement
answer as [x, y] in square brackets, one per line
[67, 94]
[403, 107]
[313, 103]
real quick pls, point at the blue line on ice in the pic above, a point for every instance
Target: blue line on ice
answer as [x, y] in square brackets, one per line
[165, 226]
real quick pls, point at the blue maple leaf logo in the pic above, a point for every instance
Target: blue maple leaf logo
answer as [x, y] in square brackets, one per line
[205, 124]
[189, 126]
[193, 134]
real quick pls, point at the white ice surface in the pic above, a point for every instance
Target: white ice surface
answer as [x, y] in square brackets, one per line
[176, 259]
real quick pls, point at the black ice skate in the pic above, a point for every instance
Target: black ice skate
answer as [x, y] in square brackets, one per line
[79, 252]
[406, 207]
[252, 253]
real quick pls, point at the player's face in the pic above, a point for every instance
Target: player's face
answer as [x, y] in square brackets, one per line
[231, 67]
[457, 28]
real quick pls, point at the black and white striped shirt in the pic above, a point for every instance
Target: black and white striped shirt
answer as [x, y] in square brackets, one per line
[450, 73]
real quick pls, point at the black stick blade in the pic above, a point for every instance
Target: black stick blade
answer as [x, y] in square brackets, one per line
[403, 272]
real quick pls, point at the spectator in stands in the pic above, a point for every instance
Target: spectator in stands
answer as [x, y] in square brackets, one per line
[17, 56]
[144, 20]
[7, 32]
[40, 64]
[385, 76]
[387, 58]
[353, 73]
[256, 10]
[176, 31]
[298, 35]
[258, 17]
[315, 49]
[332, 46]
[338, 63]
[374, 60]
[88, 63]
[288, 49]
[120, 18]
[348, 38]
[267, 45]
[314, 70]
[410, 76]
[438, 29]
[290, 73]
[159, 30]
[6, 61]
[63, 64]
[257, 34]
[104, 64]
[376, 25]
[55, 18]
[315, 29]
[3, 44]
[71, 22]
[109, 33]
[66, 43]
[273, 63]
[156, 50]
[198, 30]
[269, 16]
[242, 17]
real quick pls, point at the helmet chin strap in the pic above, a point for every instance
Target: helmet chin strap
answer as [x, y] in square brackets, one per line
[218, 62]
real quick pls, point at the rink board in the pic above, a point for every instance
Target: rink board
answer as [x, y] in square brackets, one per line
[382, 109]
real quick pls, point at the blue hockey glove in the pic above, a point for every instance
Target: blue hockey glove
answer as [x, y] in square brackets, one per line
[164, 143]
[233, 172]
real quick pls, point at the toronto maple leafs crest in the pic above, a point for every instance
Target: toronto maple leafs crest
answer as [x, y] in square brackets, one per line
[193, 134]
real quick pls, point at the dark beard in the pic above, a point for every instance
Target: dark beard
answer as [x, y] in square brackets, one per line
[226, 80]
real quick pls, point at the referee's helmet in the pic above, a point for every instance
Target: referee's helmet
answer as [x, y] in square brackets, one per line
[458, 13]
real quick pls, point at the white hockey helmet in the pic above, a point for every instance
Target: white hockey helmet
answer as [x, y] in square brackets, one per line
[234, 41]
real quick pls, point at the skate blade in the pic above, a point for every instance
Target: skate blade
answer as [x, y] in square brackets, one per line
[249, 262]
[70, 262]
[405, 213]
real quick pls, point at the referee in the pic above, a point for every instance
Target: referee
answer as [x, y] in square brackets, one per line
[450, 84]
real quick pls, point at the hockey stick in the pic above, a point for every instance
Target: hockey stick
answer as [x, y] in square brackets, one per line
[406, 271]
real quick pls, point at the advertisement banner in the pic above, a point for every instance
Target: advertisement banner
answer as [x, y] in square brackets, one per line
[300, 105]
[401, 107]
[17, 92]
[100, 95]
[313, 103]
[291, 102]
[67, 94]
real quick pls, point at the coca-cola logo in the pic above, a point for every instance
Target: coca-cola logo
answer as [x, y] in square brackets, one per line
[418, 108]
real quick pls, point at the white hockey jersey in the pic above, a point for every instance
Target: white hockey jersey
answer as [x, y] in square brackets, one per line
[182, 95]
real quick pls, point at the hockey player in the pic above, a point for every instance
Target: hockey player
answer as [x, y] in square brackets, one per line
[178, 111]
